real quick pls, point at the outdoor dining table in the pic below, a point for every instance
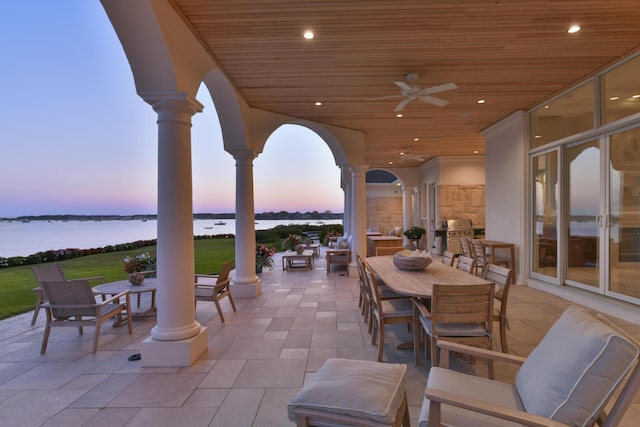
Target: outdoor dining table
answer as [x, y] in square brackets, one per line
[419, 284]
[149, 285]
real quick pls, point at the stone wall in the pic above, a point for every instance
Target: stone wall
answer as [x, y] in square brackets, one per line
[462, 202]
[384, 213]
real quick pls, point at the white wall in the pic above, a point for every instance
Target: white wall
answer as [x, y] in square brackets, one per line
[505, 175]
[467, 170]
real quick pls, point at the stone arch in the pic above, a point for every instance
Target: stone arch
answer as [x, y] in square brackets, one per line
[229, 109]
[158, 54]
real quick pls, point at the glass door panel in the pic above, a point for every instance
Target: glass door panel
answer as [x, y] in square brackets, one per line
[624, 208]
[545, 235]
[583, 209]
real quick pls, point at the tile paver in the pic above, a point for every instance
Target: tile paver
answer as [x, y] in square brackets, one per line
[255, 362]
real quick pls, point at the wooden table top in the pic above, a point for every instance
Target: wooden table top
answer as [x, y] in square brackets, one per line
[149, 284]
[376, 238]
[497, 244]
[420, 283]
[293, 254]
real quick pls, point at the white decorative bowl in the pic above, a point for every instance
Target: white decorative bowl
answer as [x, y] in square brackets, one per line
[405, 260]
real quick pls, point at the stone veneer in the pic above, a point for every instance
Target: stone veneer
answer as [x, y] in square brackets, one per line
[461, 202]
[384, 213]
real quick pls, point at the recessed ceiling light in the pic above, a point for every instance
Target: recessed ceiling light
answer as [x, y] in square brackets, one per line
[537, 136]
[402, 153]
[635, 96]
[573, 29]
[416, 139]
[317, 103]
[614, 98]
[390, 163]
[399, 115]
[308, 34]
[546, 106]
[481, 101]
[475, 151]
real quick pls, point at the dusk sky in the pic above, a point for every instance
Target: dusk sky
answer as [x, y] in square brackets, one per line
[77, 139]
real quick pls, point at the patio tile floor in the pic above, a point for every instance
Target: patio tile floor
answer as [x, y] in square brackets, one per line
[254, 364]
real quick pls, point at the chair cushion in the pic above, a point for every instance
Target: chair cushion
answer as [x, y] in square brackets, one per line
[571, 374]
[470, 386]
[356, 388]
[454, 329]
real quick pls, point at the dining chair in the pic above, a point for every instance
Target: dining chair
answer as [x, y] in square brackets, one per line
[217, 291]
[466, 264]
[50, 272]
[465, 247]
[501, 276]
[386, 293]
[481, 257]
[386, 312]
[72, 303]
[448, 258]
[459, 313]
[585, 371]
[364, 300]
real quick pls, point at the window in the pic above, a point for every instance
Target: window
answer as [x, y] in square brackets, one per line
[567, 115]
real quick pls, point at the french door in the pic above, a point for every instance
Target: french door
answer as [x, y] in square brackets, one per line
[602, 215]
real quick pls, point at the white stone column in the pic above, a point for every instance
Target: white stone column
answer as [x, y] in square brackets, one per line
[245, 283]
[407, 210]
[177, 339]
[358, 212]
[346, 218]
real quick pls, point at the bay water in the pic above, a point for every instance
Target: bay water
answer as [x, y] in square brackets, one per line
[26, 238]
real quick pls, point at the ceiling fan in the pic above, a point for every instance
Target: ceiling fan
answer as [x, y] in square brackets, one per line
[413, 91]
[406, 156]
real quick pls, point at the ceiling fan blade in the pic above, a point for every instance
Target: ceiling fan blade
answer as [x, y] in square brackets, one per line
[403, 85]
[402, 104]
[433, 100]
[385, 97]
[439, 88]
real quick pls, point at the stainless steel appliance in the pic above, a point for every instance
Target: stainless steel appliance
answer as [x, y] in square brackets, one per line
[457, 228]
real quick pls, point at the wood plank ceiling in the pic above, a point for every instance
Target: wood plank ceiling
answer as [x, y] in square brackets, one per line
[512, 53]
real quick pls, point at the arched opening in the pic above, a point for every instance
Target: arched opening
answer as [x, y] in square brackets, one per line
[384, 201]
[297, 172]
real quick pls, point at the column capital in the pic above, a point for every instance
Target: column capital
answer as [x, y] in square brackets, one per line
[172, 103]
[358, 169]
[243, 157]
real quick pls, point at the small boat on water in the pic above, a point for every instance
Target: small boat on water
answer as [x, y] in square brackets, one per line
[208, 228]
[219, 223]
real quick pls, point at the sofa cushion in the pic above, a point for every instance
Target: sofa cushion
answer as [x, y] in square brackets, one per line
[356, 388]
[571, 374]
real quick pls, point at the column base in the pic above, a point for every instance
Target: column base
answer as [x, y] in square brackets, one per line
[246, 290]
[174, 353]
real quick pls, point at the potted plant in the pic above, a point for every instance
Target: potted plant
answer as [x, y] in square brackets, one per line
[290, 243]
[415, 233]
[263, 257]
[139, 266]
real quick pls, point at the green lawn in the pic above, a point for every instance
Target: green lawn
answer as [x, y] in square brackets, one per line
[16, 283]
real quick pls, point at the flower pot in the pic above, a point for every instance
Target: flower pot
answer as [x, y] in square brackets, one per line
[136, 278]
[258, 270]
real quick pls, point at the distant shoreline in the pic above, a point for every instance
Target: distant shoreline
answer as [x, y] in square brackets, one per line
[263, 216]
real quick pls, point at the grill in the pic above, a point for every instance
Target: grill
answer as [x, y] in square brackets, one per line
[457, 228]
